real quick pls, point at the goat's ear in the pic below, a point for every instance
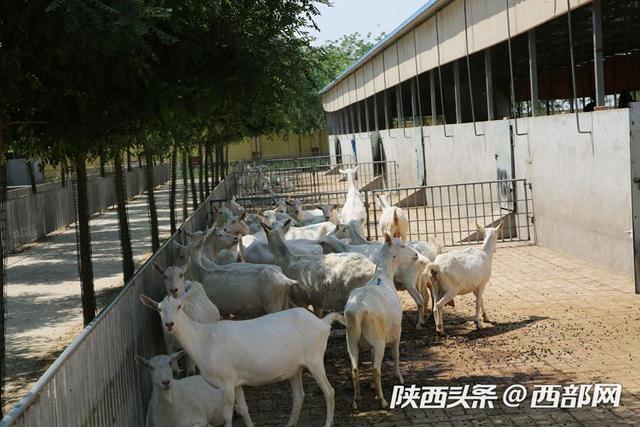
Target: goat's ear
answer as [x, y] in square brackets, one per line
[265, 227]
[143, 362]
[243, 216]
[158, 267]
[335, 206]
[395, 217]
[342, 171]
[499, 227]
[387, 239]
[286, 226]
[479, 228]
[361, 221]
[356, 169]
[319, 207]
[149, 302]
[177, 355]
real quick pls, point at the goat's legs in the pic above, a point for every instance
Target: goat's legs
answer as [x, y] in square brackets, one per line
[378, 348]
[478, 308]
[395, 351]
[242, 408]
[317, 371]
[353, 339]
[417, 297]
[448, 296]
[298, 397]
[228, 397]
[485, 318]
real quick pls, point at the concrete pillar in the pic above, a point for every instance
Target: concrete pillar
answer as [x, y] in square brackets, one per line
[533, 74]
[489, 82]
[598, 65]
[456, 88]
[432, 92]
[414, 103]
[375, 111]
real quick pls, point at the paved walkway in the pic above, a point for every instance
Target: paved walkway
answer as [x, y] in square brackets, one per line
[44, 306]
[558, 321]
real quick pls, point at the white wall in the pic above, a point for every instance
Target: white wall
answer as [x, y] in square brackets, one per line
[581, 185]
[363, 147]
[404, 147]
[464, 157]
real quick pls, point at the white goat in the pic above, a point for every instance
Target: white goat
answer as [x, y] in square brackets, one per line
[393, 219]
[255, 248]
[218, 244]
[352, 231]
[353, 207]
[187, 402]
[308, 232]
[373, 315]
[235, 207]
[322, 213]
[329, 278]
[409, 278]
[255, 352]
[460, 272]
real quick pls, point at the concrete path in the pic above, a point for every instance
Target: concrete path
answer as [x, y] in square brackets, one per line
[44, 306]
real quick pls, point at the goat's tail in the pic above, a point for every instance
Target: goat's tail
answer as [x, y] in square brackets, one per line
[433, 270]
[330, 318]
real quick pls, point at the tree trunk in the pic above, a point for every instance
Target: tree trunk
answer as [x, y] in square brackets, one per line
[102, 163]
[217, 164]
[128, 159]
[194, 194]
[225, 161]
[3, 198]
[185, 187]
[153, 215]
[212, 168]
[139, 161]
[207, 150]
[32, 176]
[123, 222]
[172, 190]
[84, 231]
[63, 172]
[200, 173]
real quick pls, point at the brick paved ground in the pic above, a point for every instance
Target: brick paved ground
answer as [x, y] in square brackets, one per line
[558, 321]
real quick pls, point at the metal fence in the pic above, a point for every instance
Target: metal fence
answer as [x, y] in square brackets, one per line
[314, 179]
[449, 213]
[95, 380]
[33, 215]
[279, 162]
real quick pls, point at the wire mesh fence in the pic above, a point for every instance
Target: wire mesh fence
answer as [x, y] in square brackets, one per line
[449, 213]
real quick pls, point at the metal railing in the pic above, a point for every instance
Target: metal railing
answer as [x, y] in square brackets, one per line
[449, 213]
[314, 179]
[95, 380]
[277, 162]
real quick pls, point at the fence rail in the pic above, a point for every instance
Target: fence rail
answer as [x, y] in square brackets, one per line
[449, 213]
[310, 179]
[95, 380]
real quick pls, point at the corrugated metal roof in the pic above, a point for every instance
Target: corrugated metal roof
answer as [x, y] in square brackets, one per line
[420, 15]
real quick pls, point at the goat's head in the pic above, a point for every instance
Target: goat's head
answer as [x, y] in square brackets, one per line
[168, 309]
[160, 367]
[384, 199]
[400, 252]
[238, 226]
[222, 239]
[174, 279]
[328, 210]
[490, 234]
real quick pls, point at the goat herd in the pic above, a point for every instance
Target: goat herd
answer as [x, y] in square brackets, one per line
[276, 264]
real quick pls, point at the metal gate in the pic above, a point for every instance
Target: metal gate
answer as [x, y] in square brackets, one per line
[449, 213]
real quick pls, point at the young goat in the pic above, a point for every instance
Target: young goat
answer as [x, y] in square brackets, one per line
[393, 219]
[322, 213]
[187, 402]
[329, 278]
[373, 315]
[255, 352]
[461, 272]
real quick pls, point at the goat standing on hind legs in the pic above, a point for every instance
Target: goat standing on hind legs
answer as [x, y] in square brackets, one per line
[461, 272]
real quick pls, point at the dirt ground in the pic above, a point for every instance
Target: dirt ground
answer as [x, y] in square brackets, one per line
[557, 321]
[43, 307]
